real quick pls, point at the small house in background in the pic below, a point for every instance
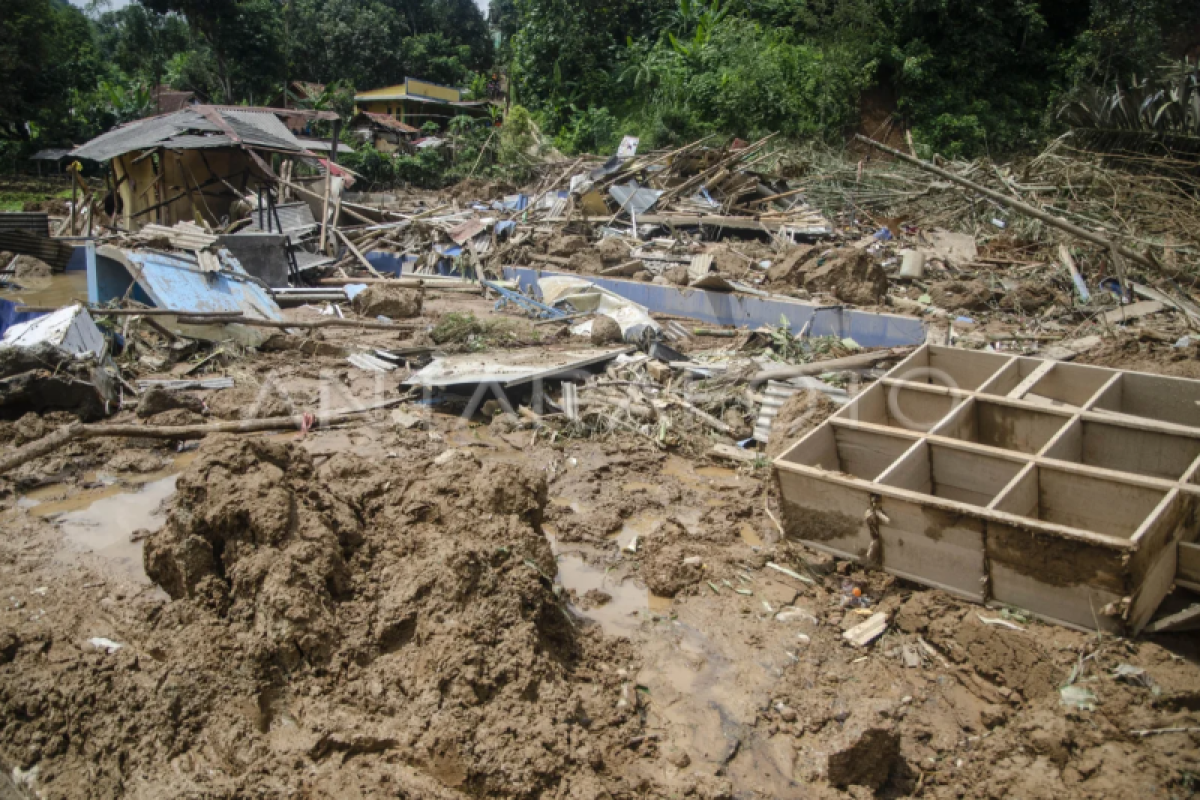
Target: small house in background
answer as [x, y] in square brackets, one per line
[386, 134]
[416, 102]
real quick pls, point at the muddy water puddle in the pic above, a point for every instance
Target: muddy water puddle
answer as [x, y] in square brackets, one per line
[50, 292]
[101, 520]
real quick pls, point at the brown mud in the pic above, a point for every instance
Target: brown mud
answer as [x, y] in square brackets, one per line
[460, 610]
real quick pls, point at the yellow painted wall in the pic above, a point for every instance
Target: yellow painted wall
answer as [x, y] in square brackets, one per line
[426, 89]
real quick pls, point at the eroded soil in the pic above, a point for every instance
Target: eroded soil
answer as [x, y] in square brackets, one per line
[457, 609]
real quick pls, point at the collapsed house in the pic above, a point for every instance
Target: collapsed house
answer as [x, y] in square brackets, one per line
[195, 164]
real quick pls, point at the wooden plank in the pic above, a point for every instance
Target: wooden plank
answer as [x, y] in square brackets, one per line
[362, 259]
[1179, 622]
[1078, 605]
[936, 547]
[1027, 383]
[1143, 308]
[911, 471]
[1188, 566]
[831, 515]
[1016, 428]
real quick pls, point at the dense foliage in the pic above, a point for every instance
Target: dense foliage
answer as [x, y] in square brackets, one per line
[67, 73]
[964, 75]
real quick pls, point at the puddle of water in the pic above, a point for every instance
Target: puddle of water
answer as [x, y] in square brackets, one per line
[689, 473]
[103, 527]
[630, 603]
[102, 520]
[640, 526]
[55, 291]
[749, 535]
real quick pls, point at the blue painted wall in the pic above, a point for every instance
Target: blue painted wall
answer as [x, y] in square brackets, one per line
[867, 328]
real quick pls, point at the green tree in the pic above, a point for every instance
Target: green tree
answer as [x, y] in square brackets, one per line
[47, 58]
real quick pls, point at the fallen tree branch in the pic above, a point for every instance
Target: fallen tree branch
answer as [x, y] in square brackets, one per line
[306, 324]
[78, 430]
[856, 361]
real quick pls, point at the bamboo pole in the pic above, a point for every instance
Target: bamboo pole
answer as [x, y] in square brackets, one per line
[1017, 205]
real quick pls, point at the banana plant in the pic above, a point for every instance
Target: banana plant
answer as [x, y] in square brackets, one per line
[700, 21]
[1146, 114]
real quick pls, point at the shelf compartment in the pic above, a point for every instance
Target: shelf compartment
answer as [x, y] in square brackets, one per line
[908, 408]
[1060, 496]
[1070, 385]
[1135, 394]
[1122, 448]
[848, 451]
[1004, 426]
[950, 367]
[951, 473]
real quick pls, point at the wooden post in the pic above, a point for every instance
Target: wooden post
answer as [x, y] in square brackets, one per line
[74, 201]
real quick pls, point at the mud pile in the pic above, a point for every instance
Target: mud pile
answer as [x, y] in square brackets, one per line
[349, 625]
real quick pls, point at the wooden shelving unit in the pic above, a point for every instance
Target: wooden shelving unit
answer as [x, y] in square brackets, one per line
[1066, 490]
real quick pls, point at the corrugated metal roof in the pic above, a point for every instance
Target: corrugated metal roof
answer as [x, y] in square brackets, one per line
[193, 128]
[777, 394]
[323, 145]
[54, 252]
[35, 222]
[509, 368]
[176, 282]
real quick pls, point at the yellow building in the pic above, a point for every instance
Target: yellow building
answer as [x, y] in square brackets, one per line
[416, 102]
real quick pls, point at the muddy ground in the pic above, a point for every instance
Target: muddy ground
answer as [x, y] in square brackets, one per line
[464, 608]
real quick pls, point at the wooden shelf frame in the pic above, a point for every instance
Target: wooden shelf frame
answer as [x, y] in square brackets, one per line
[1009, 479]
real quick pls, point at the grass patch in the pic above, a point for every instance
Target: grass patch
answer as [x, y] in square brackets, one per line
[16, 192]
[477, 334]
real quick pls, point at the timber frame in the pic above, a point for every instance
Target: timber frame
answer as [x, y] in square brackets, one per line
[1070, 491]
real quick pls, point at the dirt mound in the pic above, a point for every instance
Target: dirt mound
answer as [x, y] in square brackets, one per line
[849, 274]
[800, 413]
[389, 301]
[427, 590]
[586, 262]
[30, 267]
[612, 250]
[567, 245]
[55, 207]
[961, 295]
[249, 402]
[478, 189]
[156, 400]
[605, 330]
[789, 268]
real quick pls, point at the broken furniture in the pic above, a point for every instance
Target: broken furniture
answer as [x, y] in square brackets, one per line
[1067, 490]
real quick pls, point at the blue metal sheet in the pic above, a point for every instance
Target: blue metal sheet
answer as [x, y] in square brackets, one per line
[392, 263]
[176, 282]
[11, 314]
[865, 327]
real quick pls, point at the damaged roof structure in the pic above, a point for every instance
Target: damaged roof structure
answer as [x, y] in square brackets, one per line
[194, 163]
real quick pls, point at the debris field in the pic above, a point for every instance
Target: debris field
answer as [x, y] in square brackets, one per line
[720, 472]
